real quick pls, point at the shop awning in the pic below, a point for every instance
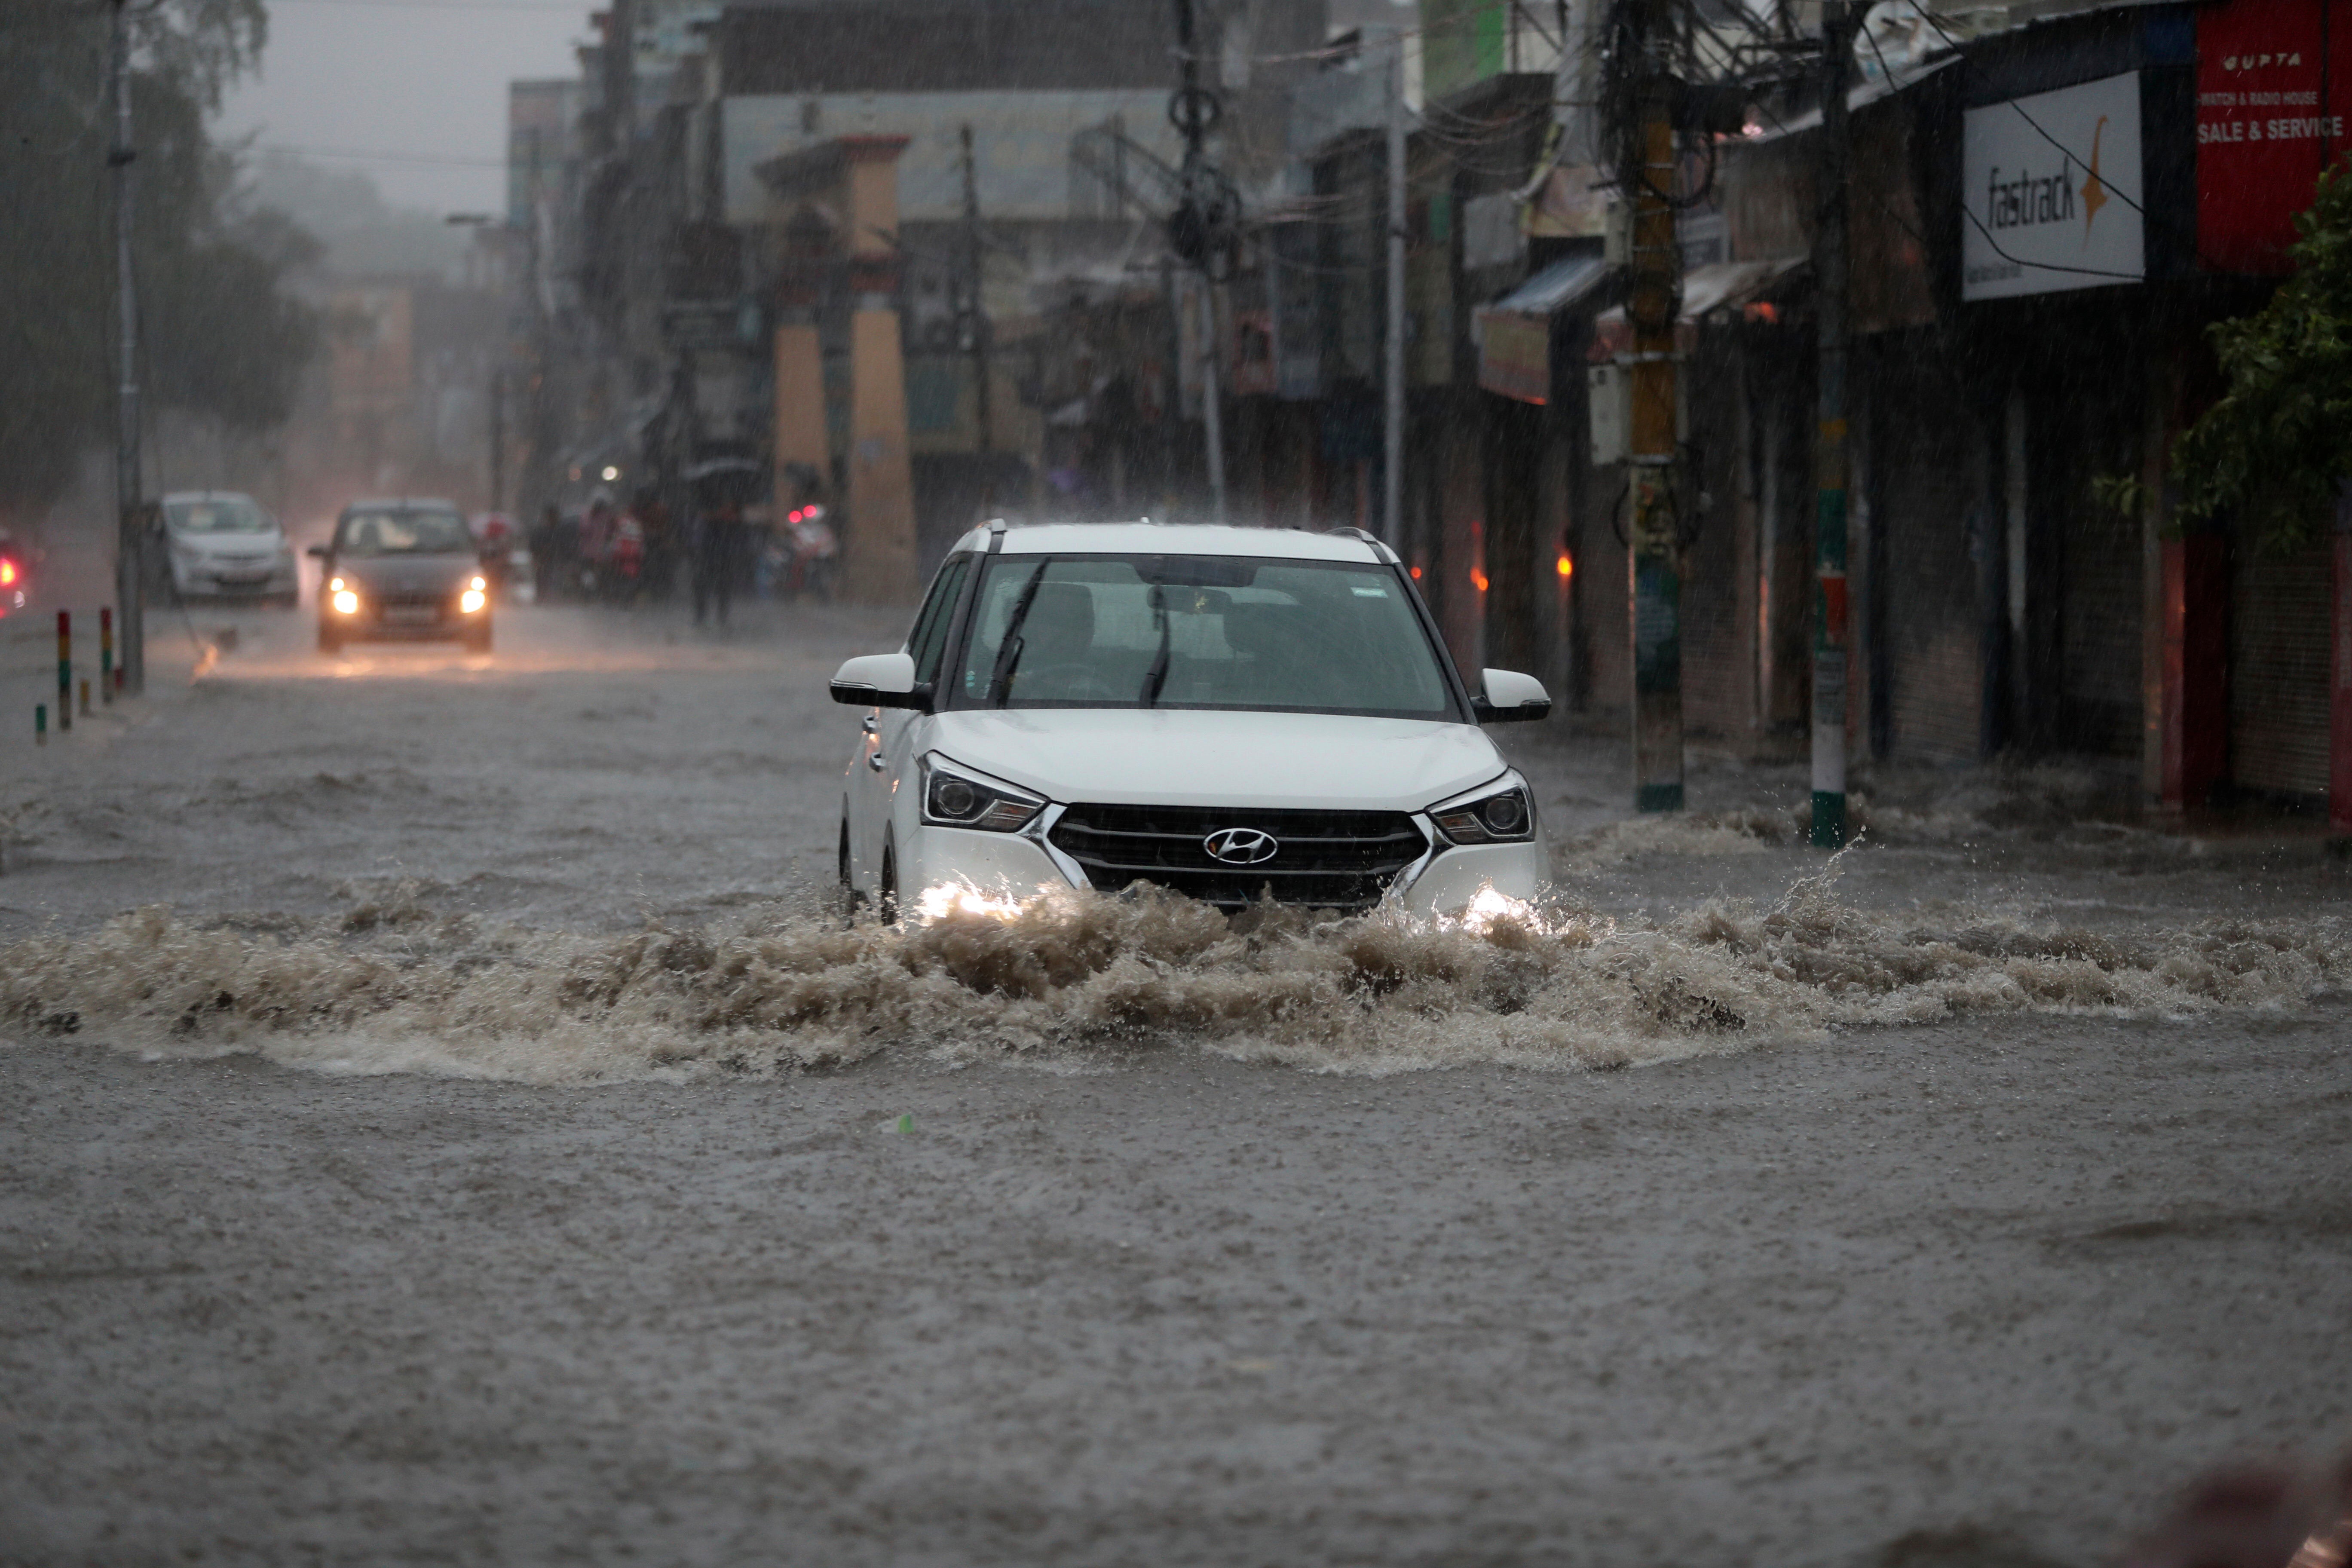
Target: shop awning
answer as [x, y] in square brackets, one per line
[1514, 332]
[1556, 287]
[1723, 287]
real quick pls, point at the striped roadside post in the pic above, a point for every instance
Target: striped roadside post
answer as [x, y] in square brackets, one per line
[65, 670]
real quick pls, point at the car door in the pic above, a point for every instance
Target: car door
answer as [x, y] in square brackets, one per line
[884, 746]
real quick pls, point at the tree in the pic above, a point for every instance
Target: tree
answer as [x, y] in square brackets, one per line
[2276, 449]
[224, 339]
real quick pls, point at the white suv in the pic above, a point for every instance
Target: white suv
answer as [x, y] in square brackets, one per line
[1226, 712]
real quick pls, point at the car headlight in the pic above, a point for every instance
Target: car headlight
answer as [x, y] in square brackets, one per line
[1500, 813]
[471, 601]
[477, 584]
[346, 603]
[953, 797]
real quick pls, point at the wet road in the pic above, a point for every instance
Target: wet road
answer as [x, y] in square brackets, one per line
[1978, 1291]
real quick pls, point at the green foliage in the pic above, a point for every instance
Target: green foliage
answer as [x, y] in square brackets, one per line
[223, 339]
[2276, 449]
[2125, 495]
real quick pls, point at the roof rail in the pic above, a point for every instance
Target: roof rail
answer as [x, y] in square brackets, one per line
[1380, 551]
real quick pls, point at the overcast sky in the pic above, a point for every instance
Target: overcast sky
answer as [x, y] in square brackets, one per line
[417, 86]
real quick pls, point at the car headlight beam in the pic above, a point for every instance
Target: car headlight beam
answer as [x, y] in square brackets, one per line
[1499, 812]
[956, 797]
[472, 600]
[346, 603]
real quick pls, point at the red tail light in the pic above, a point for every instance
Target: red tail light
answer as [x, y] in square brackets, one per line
[7, 573]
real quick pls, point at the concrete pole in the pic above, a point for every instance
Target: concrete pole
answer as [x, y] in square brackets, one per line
[1393, 437]
[1654, 561]
[1832, 621]
[130, 541]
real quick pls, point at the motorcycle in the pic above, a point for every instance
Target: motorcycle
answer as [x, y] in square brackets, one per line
[815, 553]
[13, 576]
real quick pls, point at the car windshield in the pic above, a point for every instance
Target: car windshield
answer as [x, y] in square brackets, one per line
[1197, 631]
[219, 514]
[391, 531]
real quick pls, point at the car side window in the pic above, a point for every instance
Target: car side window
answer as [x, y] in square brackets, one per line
[928, 640]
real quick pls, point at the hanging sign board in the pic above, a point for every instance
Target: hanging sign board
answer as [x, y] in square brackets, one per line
[2050, 192]
[2273, 79]
[1515, 354]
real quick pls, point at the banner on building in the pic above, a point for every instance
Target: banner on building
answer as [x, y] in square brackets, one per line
[2273, 79]
[2050, 192]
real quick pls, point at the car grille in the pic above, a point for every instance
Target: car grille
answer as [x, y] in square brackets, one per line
[1324, 860]
[411, 607]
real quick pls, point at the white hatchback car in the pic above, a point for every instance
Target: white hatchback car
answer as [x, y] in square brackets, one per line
[219, 542]
[1224, 713]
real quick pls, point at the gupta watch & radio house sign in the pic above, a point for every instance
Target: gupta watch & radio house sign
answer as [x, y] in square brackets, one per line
[2051, 187]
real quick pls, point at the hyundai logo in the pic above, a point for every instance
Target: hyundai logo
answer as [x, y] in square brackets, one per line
[1240, 846]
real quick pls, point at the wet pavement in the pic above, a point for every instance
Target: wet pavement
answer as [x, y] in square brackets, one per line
[1025, 1280]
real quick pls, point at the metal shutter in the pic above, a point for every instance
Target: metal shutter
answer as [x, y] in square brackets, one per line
[2278, 672]
[1934, 647]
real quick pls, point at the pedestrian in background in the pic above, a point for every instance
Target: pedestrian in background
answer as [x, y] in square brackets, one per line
[719, 549]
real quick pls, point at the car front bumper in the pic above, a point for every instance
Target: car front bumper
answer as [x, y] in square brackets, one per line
[193, 579]
[1017, 865]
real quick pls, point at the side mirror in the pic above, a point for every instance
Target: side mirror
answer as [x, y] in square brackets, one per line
[318, 552]
[881, 681]
[1511, 698]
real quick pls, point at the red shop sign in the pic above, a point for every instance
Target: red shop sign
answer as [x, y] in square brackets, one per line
[2274, 86]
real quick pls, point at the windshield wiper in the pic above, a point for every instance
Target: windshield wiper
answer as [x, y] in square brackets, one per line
[1008, 652]
[1157, 676]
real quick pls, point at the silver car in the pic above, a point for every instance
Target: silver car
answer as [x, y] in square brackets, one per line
[218, 543]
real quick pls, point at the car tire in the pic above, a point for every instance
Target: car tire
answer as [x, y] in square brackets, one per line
[478, 638]
[330, 641]
[886, 891]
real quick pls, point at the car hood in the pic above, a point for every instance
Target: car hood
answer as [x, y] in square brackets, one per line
[1181, 757]
[409, 574]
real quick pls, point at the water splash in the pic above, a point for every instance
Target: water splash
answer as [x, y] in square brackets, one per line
[1071, 976]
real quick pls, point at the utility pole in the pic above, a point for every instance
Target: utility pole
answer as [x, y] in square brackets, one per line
[976, 321]
[1201, 227]
[1831, 620]
[1653, 302]
[131, 552]
[499, 440]
[1393, 436]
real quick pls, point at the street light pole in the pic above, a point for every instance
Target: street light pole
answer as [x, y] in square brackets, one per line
[130, 558]
[1393, 454]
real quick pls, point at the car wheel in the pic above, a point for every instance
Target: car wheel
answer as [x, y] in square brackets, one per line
[328, 641]
[478, 638]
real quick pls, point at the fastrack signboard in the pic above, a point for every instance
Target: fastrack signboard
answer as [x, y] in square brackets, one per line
[2050, 192]
[2273, 80]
